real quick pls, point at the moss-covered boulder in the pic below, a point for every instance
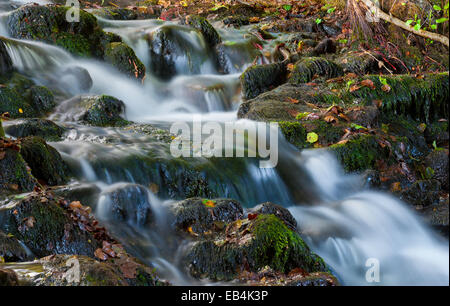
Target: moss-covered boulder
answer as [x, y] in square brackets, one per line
[121, 56]
[20, 97]
[201, 215]
[49, 24]
[261, 78]
[363, 63]
[47, 227]
[437, 163]
[44, 128]
[210, 34]
[422, 193]
[128, 203]
[45, 162]
[15, 175]
[279, 211]
[307, 68]
[251, 245]
[94, 110]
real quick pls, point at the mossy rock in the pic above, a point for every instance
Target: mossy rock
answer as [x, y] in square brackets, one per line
[45, 227]
[21, 98]
[258, 79]
[121, 56]
[44, 128]
[254, 244]
[305, 69]
[15, 176]
[210, 34]
[11, 250]
[45, 162]
[201, 215]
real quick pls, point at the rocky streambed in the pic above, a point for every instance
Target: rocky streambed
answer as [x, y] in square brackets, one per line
[87, 178]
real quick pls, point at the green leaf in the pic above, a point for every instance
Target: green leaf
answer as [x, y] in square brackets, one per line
[433, 26]
[312, 137]
[408, 22]
[318, 21]
[437, 7]
[441, 20]
[287, 7]
[331, 10]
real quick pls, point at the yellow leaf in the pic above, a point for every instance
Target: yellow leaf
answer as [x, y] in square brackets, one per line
[20, 110]
[312, 137]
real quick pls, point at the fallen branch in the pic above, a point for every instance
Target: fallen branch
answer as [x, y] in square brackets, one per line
[377, 12]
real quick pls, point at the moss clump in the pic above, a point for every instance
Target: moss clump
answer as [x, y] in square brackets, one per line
[74, 43]
[123, 58]
[360, 153]
[45, 162]
[305, 69]
[294, 132]
[44, 128]
[261, 78]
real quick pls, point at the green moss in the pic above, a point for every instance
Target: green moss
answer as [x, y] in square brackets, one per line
[210, 35]
[261, 78]
[123, 58]
[74, 43]
[360, 153]
[294, 132]
[305, 69]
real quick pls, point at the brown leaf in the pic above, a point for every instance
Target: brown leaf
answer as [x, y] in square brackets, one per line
[368, 83]
[330, 119]
[377, 103]
[75, 204]
[386, 88]
[2, 154]
[252, 216]
[128, 269]
[354, 88]
[293, 112]
[293, 101]
[100, 255]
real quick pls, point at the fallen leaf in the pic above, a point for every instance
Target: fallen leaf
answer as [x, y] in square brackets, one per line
[100, 254]
[386, 88]
[312, 137]
[293, 101]
[396, 187]
[368, 83]
[252, 216]
[330, 119]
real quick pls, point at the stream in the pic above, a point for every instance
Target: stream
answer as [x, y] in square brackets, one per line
[347, 224]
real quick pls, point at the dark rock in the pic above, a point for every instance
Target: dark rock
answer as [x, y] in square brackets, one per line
[261, 78]
[44, 128]
[437, 216]
[371, 179]
[8, 277]
[203, 214]
[365, 116]
[325, 46]
[437, 160]
[15, 176]
[45, 162]
[11, 250]
[331, 30]
[277, 210]
[6, 65]
[87, 194]
[121, 56]
[81, 75]
[126, 203]
[422, 193]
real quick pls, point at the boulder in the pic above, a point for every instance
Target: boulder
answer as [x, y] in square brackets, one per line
[15, 175]
[308, 68]
[437, 161]
[210, 34]
[280, 212]
[11, 249]
[8, 277]
[121, 56]
[261, 78]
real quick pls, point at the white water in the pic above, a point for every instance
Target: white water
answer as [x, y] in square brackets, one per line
[346, 226]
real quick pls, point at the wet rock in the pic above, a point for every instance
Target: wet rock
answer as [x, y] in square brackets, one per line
[363, 63]
[119, 13]
[231, 56]
[88, 194]
[278, 211]
[15, 176]
[325, 46]
[126, 203]
[46, 227]
[58, 270]
[6, 65]
[176, 50]
[250, 245]
[308, 68]
[261, 78]
[437, 132]
[124, 59]
[202, 215]
[11, 249]
[20, 97]
[365, 116]
[210, 34]
[8, 277]
[316, 280]
[422, 193]
[45, 162]
[437, 216]
[236, 21]
[95, 110]
[437, 160]
[331, 30]
[44, 128]
[75, 75]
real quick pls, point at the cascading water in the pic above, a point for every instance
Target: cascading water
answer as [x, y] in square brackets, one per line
[343, 223]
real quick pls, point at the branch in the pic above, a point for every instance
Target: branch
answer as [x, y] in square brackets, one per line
[389, 18]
